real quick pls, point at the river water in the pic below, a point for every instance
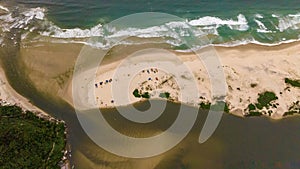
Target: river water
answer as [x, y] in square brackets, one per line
[258, 143]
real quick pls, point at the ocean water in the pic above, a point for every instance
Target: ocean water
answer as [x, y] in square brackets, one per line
[238, 142]
[226, 23]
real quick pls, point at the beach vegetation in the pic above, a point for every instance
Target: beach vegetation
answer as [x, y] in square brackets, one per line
[165, 95]
[253, 113]
[293, 109]
[205, 106]
[136, 93]
[146, 95]
[251, 107]
[294, 83]
[27, 141]
[218, 106]
[265, 99]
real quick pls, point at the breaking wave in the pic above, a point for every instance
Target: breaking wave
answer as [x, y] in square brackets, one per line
[239, 30]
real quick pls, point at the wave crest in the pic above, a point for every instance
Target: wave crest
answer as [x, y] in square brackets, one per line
[233, 31]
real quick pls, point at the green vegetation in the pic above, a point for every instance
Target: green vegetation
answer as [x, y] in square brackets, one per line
[294, 83]
[294, 109]
[165, 95]
[27, 141]
[226, 108]
[205, 106]
[146, 95]
[253, 113]
[264, 100]
[220, 105]
[251, 107]
[137, 94]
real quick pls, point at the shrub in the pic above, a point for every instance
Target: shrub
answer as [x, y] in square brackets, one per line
[146, 95]
[164, 95]
[294, 83]
[265, 99]
[136, 93]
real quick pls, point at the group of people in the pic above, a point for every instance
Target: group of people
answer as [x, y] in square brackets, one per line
[154, 70]
[103, 83]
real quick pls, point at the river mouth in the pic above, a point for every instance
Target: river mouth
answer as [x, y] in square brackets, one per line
[237, 142]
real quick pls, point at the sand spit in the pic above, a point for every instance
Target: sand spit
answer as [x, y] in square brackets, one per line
[249, 70]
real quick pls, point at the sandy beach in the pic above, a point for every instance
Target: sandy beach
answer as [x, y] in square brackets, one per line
[249, 70]
[9, 96]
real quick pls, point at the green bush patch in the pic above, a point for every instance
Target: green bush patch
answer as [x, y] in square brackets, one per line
[219, 106]
[253, 113]
[146, 95]
[294, 83]
[205, 106]
[294, 109]
[27, 141]
[136, 93]
[164, 95]
[251, 107]
[265, 99]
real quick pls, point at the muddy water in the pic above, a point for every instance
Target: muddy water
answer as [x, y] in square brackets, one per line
[237, 143]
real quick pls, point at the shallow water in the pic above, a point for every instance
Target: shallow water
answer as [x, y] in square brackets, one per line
[237, 143]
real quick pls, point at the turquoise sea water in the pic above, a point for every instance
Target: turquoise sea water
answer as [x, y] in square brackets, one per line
[238, 143]
[231, 22]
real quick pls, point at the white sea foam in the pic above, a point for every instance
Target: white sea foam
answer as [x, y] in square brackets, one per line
[171, 29]
[240, 24]
[262, 27]
[4, 8]
[57, 32]
[23, 20]
[289, 22]
[34, 19]
[37, 13]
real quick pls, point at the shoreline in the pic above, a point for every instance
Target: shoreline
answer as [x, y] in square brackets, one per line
[9, 97]
[253, 64]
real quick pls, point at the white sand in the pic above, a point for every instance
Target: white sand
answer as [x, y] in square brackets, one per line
[266, 67]
[9, 96]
